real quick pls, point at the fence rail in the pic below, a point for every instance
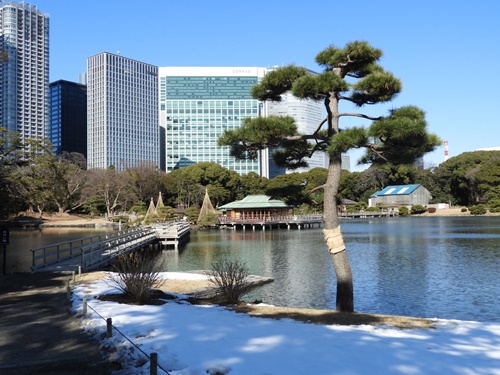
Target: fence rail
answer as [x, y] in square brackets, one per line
[89, 251]
[273, 219]
[173, 234]
[96, 255]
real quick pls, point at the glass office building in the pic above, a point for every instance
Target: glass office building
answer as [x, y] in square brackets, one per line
[68, 117]
[24, 76]
[197, 104]
[122, 112]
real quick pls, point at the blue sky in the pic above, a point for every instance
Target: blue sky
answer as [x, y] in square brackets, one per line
[446, 52]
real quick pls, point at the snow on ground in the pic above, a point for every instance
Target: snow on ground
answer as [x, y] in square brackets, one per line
[196, 340]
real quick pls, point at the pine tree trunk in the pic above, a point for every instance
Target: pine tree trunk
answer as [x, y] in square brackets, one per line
[333, 235]
[345, 293]
[334, 241]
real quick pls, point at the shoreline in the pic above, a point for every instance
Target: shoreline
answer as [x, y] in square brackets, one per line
[74, 221]
[190, 287]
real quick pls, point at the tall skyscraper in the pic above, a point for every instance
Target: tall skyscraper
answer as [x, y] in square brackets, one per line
[197, 104]
[308, 115]
[68, 117]
[24, 77]
[346, 162]
[122, 112]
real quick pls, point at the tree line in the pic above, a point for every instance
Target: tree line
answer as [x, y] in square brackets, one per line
[40, 182]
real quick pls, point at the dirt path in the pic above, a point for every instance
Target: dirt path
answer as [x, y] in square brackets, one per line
[38, 333]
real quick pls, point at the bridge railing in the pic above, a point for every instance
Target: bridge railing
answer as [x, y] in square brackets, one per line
[100, 253]
[55, 253]
[173, 229]
[274, 219]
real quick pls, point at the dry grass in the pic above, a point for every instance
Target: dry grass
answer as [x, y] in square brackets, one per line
[332, 317]
[311, 316]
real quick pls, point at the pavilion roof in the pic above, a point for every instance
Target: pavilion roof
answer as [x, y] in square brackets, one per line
[254, 201]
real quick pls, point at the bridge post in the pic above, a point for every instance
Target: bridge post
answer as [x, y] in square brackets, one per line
[109, 327]
[68, 292]
[153, 364]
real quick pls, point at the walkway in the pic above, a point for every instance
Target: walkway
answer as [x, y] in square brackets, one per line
[92, 252]
[85, 254]
[38, 333]
[263, 222]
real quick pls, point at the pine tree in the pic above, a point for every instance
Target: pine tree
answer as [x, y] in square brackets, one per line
[350, 74]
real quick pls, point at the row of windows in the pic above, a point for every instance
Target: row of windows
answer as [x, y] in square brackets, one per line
[220, 125]
[197, 104]
[204, 141]
[201, 119]
[207, 87]
[235, 111]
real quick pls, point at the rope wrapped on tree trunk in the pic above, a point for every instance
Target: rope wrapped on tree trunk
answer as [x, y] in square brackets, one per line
[334, 240]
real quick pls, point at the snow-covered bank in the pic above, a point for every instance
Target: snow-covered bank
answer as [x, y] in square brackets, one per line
[191, 340]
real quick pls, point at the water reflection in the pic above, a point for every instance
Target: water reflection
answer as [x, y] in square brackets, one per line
[424, 267]
[296, 259]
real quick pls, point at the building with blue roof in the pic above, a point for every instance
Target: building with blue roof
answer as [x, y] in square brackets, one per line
[401, 195]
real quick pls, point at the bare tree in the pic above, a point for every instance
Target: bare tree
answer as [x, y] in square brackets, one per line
[109, 187]
[230, 279]
[136, 275]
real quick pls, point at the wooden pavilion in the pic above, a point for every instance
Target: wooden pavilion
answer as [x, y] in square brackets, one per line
[255, 207]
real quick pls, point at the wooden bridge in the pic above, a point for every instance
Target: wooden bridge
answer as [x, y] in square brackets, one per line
[290, 221]
[295, 221]
[368, 214]
[92, 252]
[173, 234]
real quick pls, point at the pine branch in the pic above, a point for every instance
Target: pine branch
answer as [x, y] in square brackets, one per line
[353, 114]
[316, 189]
[320, 125]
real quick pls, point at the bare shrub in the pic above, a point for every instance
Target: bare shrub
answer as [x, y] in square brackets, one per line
[136, 274]
[230, 279]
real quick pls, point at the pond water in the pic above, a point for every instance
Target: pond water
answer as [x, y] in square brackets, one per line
[440, 267]
[444, 267]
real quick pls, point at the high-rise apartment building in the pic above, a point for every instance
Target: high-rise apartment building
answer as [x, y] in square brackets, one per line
[197, 104]
[122, 112]
[68, 117]
[346, 162]
[308, 115]
[24, 77]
